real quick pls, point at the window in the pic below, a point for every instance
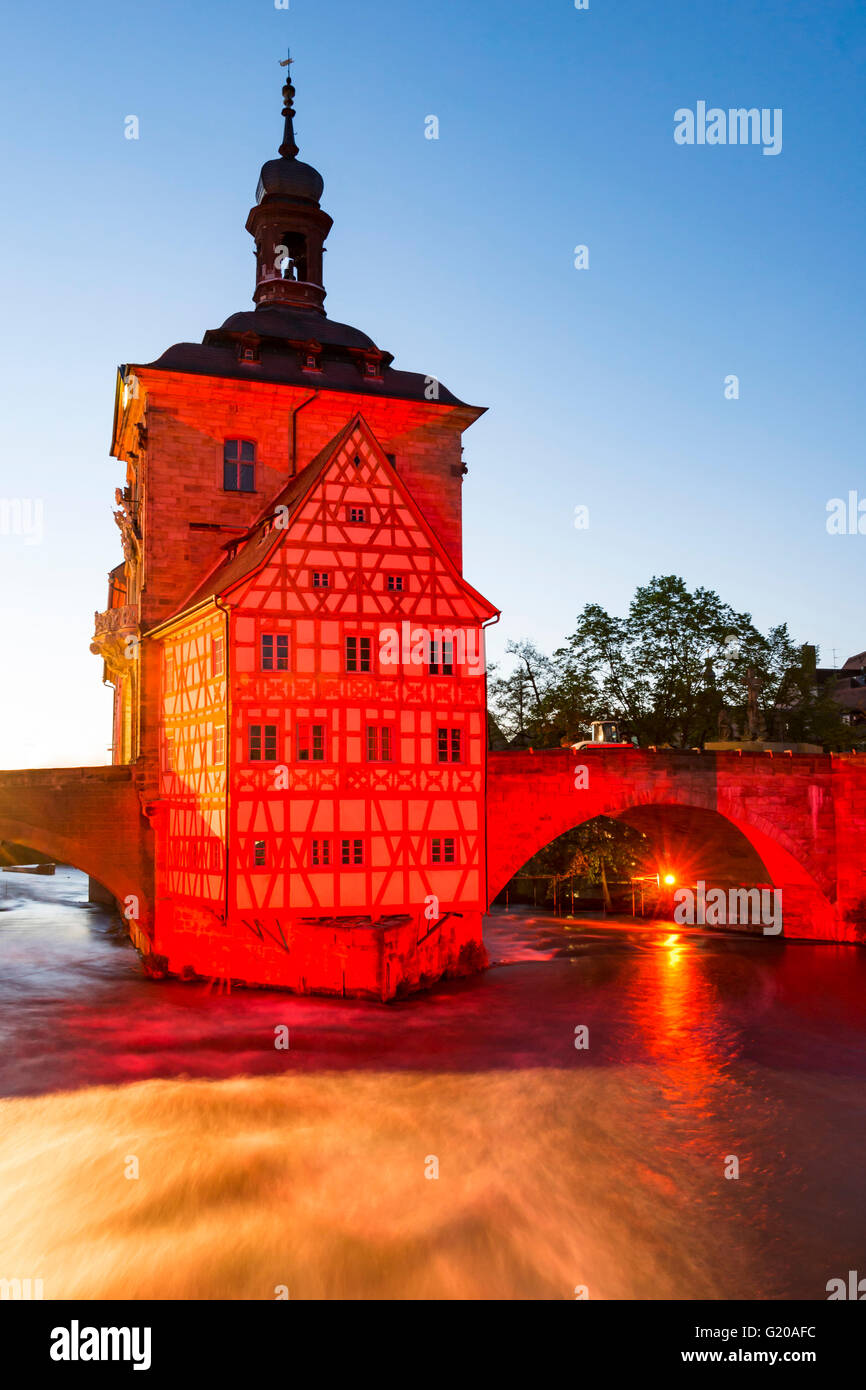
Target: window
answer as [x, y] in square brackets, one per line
[311, 743]
[321, 579]
[352, 852]
[358, 654]
[219, 745]
[380, 743]
[356, 513]
[450, 745]
[263, 743]
[217, 656]
[169, 671]
[260, 854]
[442, 850]
[395, 583]
[275, 651]
[239, 457]
[320, 854]
[441, 661]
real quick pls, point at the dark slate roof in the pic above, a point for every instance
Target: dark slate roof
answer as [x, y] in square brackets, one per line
[290, 178]
[281, 334]
[855, 663]
[297, 325]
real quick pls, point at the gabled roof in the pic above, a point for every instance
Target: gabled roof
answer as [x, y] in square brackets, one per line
[250, 552]
[855, 663]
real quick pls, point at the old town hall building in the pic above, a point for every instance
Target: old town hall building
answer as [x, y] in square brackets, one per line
[298, 662]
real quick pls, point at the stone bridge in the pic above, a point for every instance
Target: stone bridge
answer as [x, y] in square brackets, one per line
[92, 818]
[797, 822]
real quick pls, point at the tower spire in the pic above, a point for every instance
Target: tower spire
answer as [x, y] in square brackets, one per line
[288, 224]
[289, 148]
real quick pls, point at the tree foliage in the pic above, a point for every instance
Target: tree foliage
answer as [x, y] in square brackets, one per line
[680, 669]
[598, 846]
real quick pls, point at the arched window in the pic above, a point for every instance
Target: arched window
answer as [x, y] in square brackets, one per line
[239, 466]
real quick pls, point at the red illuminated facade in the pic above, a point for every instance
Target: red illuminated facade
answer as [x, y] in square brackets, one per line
[298, 661]
[302, 794]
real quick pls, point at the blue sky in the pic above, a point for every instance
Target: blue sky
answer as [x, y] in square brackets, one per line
[605, 385]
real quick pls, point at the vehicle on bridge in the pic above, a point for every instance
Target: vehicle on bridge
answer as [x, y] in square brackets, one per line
[606, 733]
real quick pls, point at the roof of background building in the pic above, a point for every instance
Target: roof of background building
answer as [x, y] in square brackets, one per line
[852, 698]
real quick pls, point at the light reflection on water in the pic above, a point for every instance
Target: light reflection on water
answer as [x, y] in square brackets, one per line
[558, 1166]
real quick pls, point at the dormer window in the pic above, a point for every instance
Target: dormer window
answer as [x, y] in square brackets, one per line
[239, 462]
[371, 368]
[249, 352]
[369, 363]
[311, 357]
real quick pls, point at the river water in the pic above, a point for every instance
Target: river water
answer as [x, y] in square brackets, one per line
[156, 1143]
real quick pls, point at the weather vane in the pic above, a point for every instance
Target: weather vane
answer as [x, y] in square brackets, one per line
[287, 62]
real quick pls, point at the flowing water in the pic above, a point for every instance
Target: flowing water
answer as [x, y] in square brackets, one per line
[156, 1143]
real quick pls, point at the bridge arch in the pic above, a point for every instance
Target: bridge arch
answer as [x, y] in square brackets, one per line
[89, 818]
[64, 849]
[699, 820]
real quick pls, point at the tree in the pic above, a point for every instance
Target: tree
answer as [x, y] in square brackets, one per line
[665, 669]
[679, 670]
[536, 705]
[804, 711]
[599, 851]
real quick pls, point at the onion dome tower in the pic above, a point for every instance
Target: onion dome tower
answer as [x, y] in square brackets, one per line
[288, 225]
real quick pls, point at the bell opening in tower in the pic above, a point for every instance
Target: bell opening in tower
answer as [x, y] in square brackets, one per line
[293, 266]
